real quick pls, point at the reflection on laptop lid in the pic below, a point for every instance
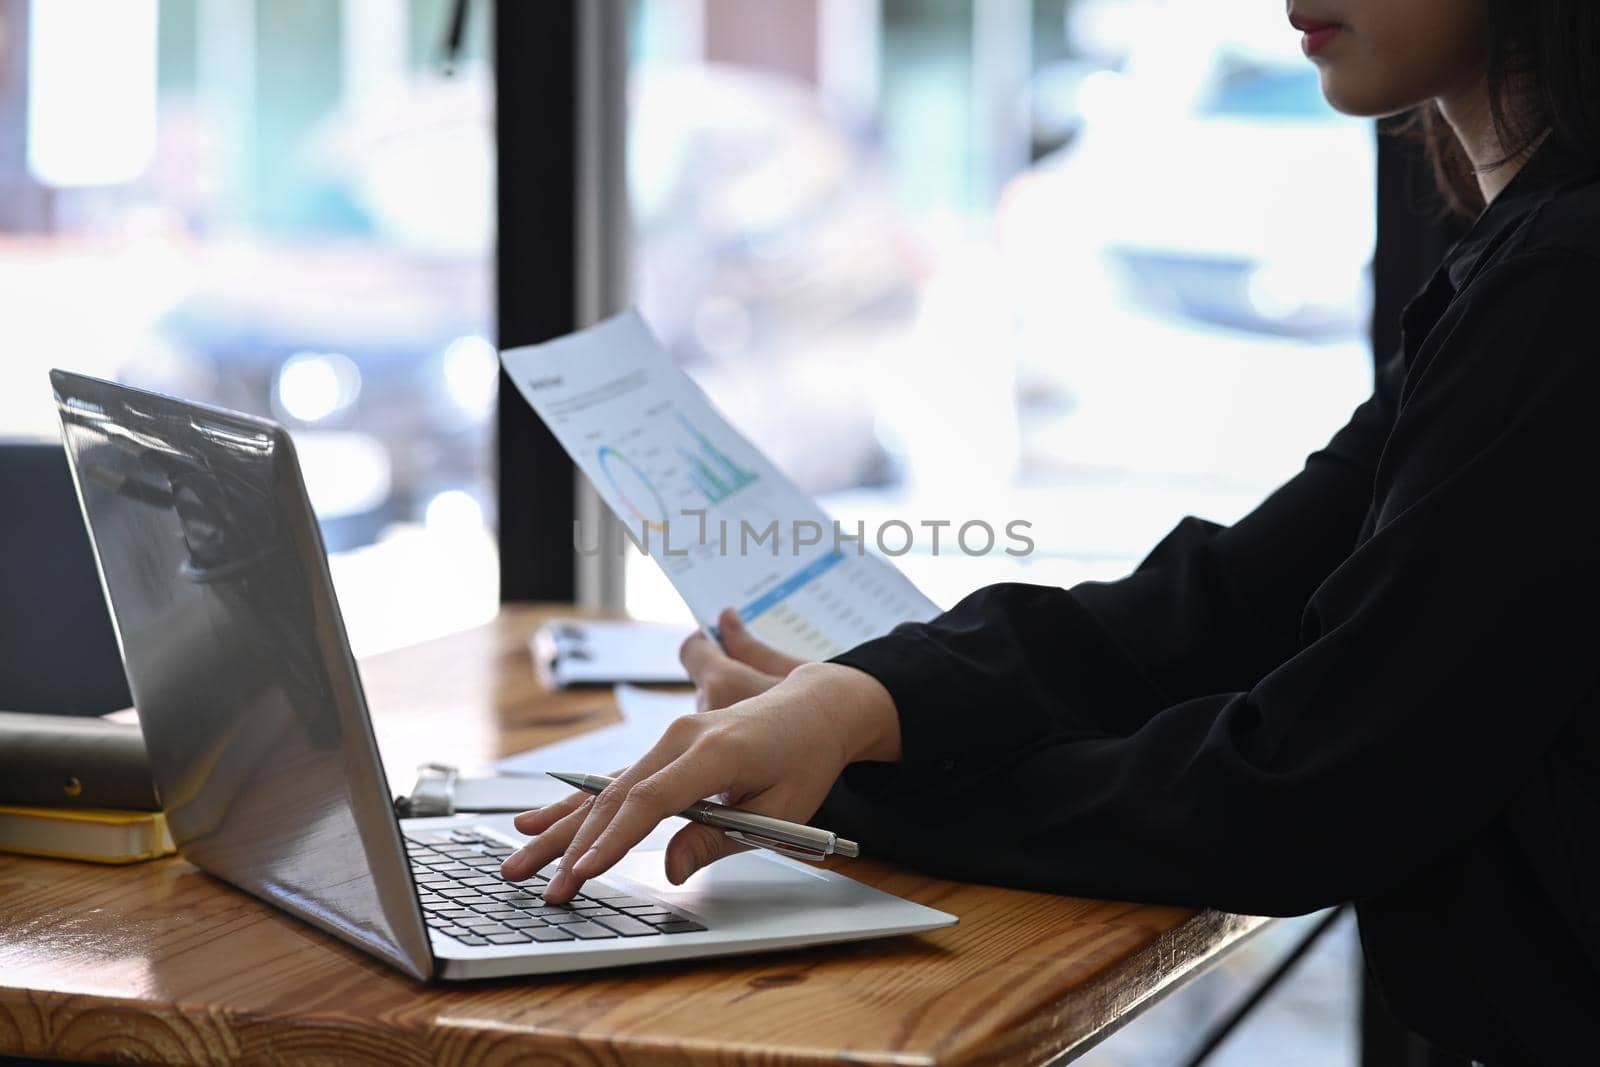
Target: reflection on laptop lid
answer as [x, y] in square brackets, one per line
[252, 711]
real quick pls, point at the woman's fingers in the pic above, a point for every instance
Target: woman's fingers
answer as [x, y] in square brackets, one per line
[536, 854]
[693, 776]
[748, 649]
[720, 680]
[699, 655]
[538, 820]
[775, 755]
[730, 684]
[695, 846]
[608, 837]
[679, 735]
[687, 764]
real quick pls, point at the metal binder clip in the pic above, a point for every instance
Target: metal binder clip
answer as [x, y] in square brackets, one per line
[433, 795]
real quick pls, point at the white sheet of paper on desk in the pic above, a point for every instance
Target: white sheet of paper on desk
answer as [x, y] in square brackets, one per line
[724, 524]
[645, 714]
[655, 706]
[522, 791]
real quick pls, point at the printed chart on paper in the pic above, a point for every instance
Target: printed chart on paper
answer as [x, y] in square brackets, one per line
[724, 524]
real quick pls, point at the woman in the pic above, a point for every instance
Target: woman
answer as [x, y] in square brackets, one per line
[1380, 686]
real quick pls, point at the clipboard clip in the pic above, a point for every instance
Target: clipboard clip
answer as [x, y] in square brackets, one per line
[441, 790]
[433, 795]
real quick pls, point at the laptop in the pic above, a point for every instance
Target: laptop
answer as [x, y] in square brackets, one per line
[262, 749]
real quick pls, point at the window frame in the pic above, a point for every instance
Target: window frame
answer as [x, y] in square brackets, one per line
[536, 284]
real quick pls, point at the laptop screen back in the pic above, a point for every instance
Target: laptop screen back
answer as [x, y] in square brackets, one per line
[251, 708]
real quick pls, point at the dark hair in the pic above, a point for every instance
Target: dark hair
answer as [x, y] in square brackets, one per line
[1543, 75]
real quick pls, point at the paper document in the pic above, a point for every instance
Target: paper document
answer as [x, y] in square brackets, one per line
[645, 716]
[728, 529]
[520, 792]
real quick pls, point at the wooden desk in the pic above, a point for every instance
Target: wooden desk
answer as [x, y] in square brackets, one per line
[159, 962]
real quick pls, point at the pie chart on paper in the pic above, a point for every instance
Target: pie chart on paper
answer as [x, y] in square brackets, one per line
[634, 488]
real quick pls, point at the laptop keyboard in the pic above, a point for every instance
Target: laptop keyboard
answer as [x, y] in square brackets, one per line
[463, 897]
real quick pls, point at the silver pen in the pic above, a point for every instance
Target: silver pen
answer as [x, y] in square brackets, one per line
[786, 838]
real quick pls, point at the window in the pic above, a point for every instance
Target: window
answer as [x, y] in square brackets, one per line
[1091, 265]
[279, 206]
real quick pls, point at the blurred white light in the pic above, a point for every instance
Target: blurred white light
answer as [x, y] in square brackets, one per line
[453, 511]
[1274, 293]
[722, 325]
[313, 386]
[472, 374]
[1100, 95]
[91, 90]
[1293, 284]
[345, 473]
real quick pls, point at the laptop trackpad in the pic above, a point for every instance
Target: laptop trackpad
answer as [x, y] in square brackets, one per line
[743, 887]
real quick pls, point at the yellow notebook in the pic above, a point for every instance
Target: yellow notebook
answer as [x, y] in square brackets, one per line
[97, 836]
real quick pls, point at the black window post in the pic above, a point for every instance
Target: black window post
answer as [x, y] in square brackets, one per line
[536, 79]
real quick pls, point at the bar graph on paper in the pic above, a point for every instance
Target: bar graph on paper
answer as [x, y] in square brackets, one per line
[710, 469]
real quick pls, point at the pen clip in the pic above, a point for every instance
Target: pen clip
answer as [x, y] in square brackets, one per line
[782, 848]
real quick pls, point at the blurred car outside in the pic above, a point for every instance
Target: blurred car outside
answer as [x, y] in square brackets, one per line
[360, 319]
[770, 258]
[1167, 315]
[1192, 267]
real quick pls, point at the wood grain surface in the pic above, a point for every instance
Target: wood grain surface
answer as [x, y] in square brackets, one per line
[161, 963]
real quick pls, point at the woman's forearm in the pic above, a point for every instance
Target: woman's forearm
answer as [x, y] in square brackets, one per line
[853, 706]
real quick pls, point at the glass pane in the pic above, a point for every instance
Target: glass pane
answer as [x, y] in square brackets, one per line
[280, 206]
[1088, 266]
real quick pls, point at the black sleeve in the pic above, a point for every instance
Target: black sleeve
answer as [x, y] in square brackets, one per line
[1211, 609]
[1438, 659]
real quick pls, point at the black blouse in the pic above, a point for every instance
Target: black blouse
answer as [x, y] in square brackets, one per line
[1379, 686]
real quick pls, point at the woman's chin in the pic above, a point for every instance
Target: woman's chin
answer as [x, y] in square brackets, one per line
[1350, 96]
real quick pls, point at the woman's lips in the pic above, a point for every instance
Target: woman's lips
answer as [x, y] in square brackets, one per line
[1316, 40]
[1318, 35]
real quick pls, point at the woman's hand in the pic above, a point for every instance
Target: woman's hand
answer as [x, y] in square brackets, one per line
[740, 669]
[777, 753]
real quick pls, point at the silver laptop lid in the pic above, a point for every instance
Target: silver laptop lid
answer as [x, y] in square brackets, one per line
[252, 711]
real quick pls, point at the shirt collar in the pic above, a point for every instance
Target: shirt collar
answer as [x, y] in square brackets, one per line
[1550, 167]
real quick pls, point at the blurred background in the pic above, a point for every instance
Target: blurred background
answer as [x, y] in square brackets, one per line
[1125, 239]
[285, 208]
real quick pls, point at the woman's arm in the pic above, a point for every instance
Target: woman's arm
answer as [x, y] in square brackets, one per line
[1044, 663]
[1441, 660]
[1212, 609]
